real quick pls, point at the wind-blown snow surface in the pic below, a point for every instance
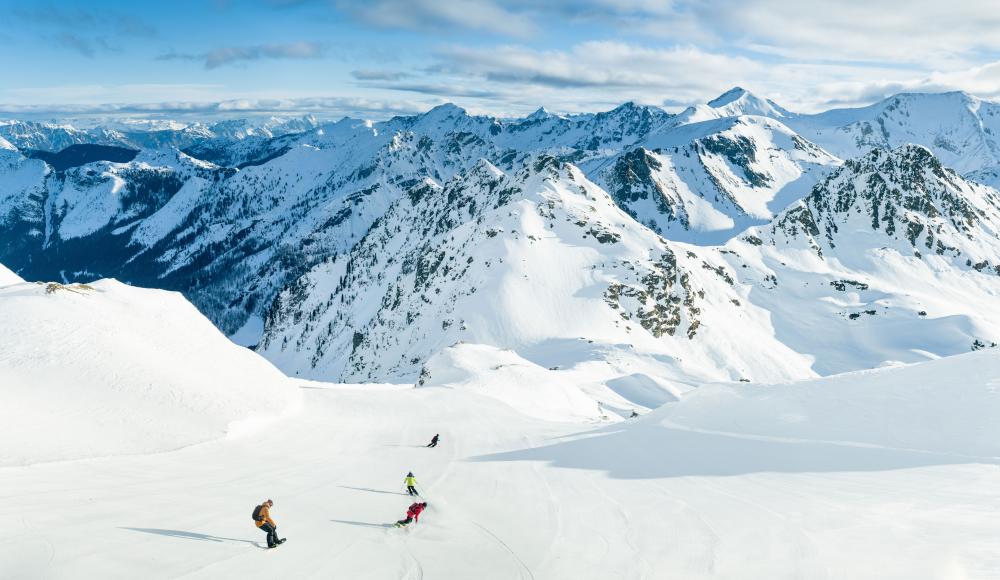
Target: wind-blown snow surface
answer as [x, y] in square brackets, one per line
[107, 369]
[888, 474]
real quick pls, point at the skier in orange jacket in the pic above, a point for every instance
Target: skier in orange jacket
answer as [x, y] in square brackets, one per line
[262, 519]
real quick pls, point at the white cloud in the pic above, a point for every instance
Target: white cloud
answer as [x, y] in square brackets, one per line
[585, 55]
[923, 32]
[325, 107]
[232, 54]
[600, 66]
[485, 15]
[590, 75]
[368, 74]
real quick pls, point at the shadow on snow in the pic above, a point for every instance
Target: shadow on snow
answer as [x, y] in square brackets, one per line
[368, 489]
[364, 524]
[189, 535]
[654, 452]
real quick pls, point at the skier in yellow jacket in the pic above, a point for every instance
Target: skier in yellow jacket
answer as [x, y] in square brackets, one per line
[411, 484]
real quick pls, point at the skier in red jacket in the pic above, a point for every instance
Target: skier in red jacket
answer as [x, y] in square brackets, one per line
[412, 514]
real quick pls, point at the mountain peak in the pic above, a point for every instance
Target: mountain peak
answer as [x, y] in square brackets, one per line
[629, 106]
[539, 114]
[729, 96]
[739, 101]
[903, 194]
[908, 155]
[445, 110]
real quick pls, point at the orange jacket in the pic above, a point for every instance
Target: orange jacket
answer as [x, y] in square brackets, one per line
[265, 516]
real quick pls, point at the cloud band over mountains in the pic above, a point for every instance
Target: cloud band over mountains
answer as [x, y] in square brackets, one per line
[234, 54]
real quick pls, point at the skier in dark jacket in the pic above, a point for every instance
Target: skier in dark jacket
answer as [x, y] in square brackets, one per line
[412, 514]
[434, 441]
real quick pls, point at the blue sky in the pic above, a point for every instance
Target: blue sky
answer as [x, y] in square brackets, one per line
[376, 58]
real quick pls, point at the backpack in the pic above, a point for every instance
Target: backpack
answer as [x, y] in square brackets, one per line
[256, 513]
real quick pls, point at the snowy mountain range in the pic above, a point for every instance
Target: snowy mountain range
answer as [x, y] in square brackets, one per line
[735, 240]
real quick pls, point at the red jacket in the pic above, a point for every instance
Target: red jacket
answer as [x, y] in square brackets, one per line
[414, 511]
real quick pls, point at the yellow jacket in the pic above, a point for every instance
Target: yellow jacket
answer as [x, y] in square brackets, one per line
[410, 481]
[265, 516]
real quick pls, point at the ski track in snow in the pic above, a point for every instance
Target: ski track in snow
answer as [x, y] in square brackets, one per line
[524, 571]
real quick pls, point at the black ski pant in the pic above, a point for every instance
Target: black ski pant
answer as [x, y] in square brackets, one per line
[272, 534]
[411, 490]
[405, 522]
[433, 444]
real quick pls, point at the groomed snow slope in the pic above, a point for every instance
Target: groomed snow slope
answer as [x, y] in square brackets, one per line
[108, 369]
[785, 493]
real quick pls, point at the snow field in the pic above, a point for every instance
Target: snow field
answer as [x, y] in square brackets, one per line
[510, 496]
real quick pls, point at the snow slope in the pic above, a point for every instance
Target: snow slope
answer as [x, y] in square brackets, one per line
[960, 129]
[7, 277]
[503, 375]
[890, 474]
[540, 261]
[923, 407]
[891, 258]
[107, 369]
[705, 182]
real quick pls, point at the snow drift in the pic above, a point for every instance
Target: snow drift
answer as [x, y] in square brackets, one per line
[935, 413]
[503, 375]
[107, 369]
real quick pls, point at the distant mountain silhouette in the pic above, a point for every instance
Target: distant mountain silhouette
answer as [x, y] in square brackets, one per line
[77, 155]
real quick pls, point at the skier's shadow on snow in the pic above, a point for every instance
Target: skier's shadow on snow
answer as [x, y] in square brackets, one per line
[364, 524]
[368, 489]
[189, 535]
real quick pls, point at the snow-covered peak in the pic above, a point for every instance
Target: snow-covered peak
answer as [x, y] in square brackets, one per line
[729, 96]
[473, 254]
[443, 112]
[6, 146]
[705, 182]
[904, 199]
[630, 109]
[732, 103]
[960, 129]
[540, 114]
